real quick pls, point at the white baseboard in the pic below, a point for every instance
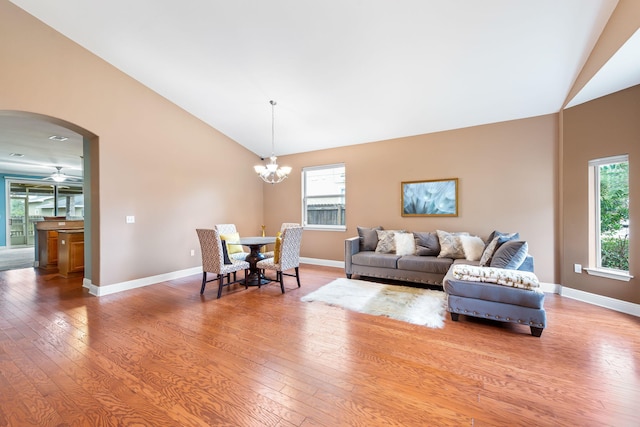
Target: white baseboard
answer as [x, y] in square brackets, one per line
[152, 280]
[138, 283]
[599, 300]
[602, 301]
[323, 262]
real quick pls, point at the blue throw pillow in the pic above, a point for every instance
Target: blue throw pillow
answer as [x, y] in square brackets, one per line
[510, 255]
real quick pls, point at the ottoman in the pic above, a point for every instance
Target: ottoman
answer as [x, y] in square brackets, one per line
[496, 302]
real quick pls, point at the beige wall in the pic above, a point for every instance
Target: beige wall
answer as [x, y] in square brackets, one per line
[600, 128]
[156, 161]
[604, 127]
[507, 181]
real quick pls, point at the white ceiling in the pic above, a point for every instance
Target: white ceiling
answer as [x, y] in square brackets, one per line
[342, 71]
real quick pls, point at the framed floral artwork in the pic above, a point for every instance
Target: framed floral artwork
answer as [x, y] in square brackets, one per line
[437, 197]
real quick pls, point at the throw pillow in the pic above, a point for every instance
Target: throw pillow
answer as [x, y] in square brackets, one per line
[405, 243]
[232, 237]
[497, 238]
[386, 241]
[368, 238]
[427, 244]
[510, 255]
[225, 253]
[276, 250]
[473, 247]
[450, 244]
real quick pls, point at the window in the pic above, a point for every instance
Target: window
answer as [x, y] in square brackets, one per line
[609, 178]
[323, 197]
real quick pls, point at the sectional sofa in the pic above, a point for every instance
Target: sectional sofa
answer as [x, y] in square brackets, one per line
[490, 279]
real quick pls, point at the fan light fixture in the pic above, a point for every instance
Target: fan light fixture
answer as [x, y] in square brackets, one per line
[58, 176]
[271, 173]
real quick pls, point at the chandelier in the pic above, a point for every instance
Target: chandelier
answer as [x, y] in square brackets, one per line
[271, 173]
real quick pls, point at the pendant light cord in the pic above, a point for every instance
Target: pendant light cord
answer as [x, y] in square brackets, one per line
[273, 120]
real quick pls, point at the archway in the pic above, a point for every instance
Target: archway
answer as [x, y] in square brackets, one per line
[90, 167]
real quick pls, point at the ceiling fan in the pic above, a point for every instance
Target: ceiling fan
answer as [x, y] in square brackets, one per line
[58, 176]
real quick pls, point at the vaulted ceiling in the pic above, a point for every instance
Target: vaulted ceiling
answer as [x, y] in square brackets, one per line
[342, 72]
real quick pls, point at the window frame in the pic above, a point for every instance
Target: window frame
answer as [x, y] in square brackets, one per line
[305, 198]
[595, 253]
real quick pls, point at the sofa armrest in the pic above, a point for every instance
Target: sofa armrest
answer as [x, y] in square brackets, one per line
[351, 247]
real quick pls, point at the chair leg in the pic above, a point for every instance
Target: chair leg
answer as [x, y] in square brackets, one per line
[281, 276]
[204, 282]
[234, 276]
[298, 276]
[220, 284]
[246, 276]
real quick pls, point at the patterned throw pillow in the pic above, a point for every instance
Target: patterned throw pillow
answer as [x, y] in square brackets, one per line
[386, 241]
[405, 243]
[450, 244]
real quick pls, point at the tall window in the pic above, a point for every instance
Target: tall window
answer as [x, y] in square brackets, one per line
[610, 180]
[323, 197]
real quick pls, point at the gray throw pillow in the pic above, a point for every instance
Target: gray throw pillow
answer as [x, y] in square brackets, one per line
[493, 243]
[510, 255]
[368, 238]
[427, 243]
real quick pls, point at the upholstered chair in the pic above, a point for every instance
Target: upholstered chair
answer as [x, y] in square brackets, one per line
[287, 257]
[227, 230]
[213, 261]
[284, 225]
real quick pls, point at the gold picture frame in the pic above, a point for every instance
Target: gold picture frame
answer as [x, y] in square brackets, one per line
[435, 197]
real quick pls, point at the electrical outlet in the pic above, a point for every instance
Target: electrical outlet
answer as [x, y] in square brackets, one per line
[577, 268]
[130, 219]
[193, 252]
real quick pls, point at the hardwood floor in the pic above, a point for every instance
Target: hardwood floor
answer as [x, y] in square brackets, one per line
[163, 355]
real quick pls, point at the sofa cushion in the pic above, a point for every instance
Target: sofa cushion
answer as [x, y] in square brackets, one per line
[405, 243]
[495, 293]
[427, 243]
[429, 264]
[500, 276]
[375, 259]
[450, 244]
[368, 238]
[510, 255]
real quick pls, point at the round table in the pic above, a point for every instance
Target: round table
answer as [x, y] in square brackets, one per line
[255, 243]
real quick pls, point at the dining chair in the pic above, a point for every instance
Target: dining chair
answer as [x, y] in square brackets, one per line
[287, 258]
[284, 225]
[213, 261]
[229, 230]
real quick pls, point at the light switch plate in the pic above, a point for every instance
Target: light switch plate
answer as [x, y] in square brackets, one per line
[131, 219]
[577, 268]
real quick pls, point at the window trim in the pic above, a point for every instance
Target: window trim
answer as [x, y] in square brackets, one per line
[595, 261]
[321, 227]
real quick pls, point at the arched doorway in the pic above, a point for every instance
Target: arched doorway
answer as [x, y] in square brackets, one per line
[38, 171]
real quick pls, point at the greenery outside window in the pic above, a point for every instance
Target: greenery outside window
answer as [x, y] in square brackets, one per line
[323, 196]
[609, 254]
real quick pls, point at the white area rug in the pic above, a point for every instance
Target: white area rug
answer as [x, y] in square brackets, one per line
[414, 305]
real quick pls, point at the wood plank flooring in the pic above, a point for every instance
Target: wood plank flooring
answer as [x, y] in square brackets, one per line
[163, 355]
